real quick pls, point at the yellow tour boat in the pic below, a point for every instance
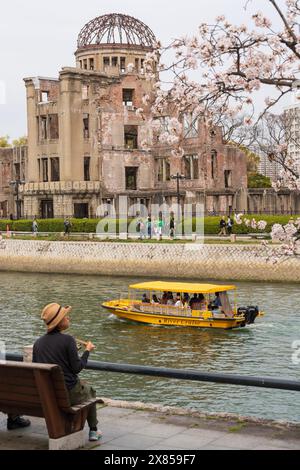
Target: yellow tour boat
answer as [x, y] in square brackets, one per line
[183, 304]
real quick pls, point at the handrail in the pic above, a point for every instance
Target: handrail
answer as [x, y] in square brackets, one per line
[194, 375]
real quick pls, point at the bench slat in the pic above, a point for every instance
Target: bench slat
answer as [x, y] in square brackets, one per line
[19, 397]
[25, 409]
[31, 391]
[8, 389]
[23, 366]
[28, 382]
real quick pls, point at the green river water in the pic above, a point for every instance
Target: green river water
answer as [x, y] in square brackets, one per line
[263, 349]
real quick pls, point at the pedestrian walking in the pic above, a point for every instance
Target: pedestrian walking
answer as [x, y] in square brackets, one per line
[35, 227]
[172, 228]
[160, 227]
[67, 226]
[229, 225]
[149, 227]
[222, 227]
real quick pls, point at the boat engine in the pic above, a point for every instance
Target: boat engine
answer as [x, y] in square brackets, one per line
[250, 313]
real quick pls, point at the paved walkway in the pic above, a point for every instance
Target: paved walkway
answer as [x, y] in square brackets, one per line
[157, 428]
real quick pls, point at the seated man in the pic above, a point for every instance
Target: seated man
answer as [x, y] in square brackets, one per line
[57, 348]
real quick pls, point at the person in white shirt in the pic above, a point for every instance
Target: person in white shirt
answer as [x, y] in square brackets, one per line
[178, 302]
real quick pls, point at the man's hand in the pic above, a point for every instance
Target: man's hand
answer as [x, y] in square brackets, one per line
[90, 346]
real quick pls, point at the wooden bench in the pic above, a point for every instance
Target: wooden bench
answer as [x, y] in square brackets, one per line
[39, 390]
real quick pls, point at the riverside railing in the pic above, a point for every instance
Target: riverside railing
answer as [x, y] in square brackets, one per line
[249, 381]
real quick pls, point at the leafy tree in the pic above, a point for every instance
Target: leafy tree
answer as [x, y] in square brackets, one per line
[20, 141]
[259, 181]
[232, 63]
[4, 141]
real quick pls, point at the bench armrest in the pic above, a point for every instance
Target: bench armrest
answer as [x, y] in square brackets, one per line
[74, 409]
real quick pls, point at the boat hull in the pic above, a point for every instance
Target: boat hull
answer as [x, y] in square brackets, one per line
[124, 312]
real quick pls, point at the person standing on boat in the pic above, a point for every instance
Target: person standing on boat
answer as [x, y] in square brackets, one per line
[57, 348]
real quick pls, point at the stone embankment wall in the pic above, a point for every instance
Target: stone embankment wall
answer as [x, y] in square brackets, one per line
[190, 261]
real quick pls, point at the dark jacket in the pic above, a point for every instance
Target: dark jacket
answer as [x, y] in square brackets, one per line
[61, 349]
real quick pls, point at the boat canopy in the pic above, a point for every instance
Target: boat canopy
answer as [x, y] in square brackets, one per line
[182, 287]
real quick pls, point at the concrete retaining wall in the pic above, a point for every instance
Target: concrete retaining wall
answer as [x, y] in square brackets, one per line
[195, 261]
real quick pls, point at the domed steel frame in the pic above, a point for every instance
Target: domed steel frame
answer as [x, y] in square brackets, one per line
[116, 28]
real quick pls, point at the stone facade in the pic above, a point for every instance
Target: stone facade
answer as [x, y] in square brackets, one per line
[6, 196]
[13, 172]
[87, 145]
[189, 261]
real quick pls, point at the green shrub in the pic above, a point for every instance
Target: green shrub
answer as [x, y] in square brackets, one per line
[211, 225]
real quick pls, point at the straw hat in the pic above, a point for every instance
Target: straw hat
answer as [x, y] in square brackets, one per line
[53, 314]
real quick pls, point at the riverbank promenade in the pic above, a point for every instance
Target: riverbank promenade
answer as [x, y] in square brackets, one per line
[130, 426]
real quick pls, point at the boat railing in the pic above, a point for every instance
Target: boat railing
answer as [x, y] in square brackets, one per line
[161, 309]
[171, 310]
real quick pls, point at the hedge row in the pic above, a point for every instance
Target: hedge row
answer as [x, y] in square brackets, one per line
[211, 225]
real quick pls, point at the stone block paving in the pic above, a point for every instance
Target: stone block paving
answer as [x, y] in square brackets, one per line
[142, 429]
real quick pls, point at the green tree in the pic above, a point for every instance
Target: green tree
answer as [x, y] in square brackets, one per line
[20, 141]
[259, 181]
[4, 141]
[252, 159]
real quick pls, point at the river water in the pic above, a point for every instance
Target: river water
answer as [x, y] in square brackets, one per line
[263, 349]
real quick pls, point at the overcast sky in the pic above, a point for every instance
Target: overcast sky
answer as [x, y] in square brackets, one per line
[38, 38]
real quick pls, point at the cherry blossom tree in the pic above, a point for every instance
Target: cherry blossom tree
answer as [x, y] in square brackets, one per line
[275, 138]
[231, 64]
[234, 62]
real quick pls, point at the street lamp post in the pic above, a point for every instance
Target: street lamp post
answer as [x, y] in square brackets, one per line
[16, 184]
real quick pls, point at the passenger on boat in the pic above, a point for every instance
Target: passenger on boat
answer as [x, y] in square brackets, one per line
[178, 302]
[145, 299]
[164, 298]
[193, 301]
[155, 300]
[186, 298]
[170, 300]
[216, 303]
[201, 302]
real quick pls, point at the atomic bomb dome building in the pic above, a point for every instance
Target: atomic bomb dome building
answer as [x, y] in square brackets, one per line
[87, 145]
